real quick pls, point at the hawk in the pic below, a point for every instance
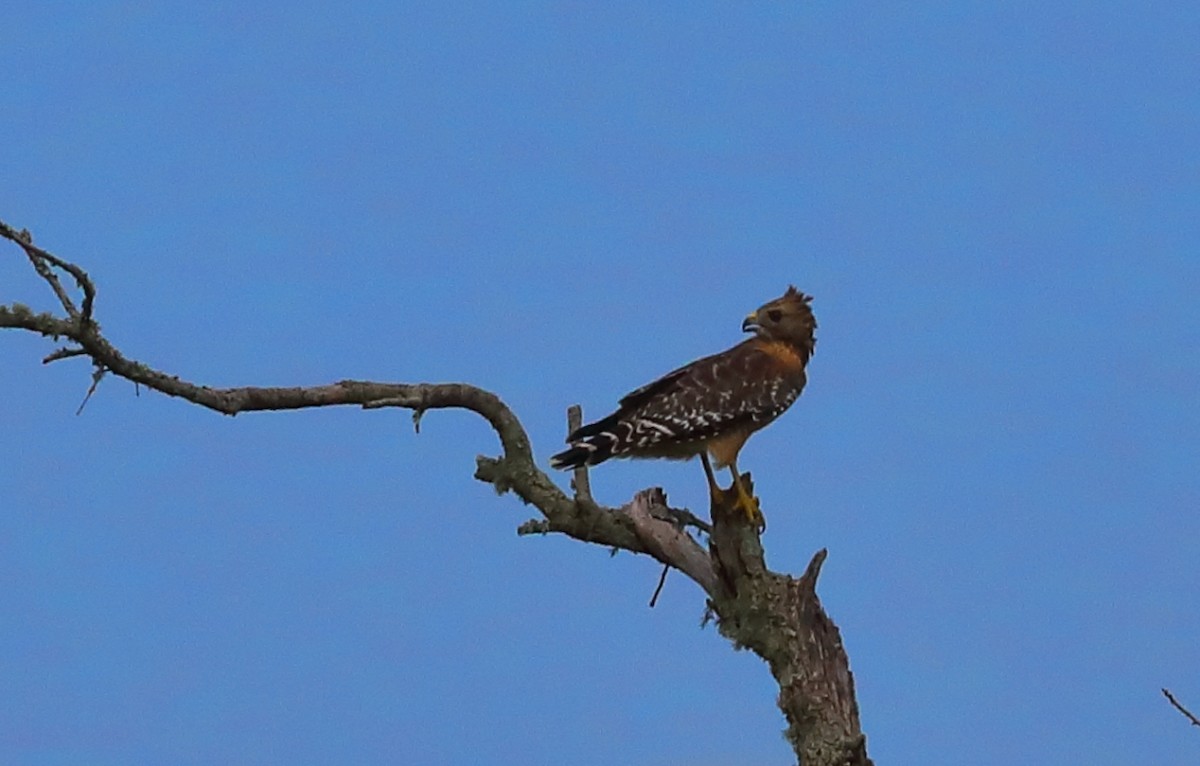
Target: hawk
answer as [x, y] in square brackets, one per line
[711, 406]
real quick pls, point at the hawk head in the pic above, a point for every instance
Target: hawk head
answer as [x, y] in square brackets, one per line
[788, 318]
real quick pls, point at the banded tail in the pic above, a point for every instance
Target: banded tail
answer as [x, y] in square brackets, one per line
[590, 445]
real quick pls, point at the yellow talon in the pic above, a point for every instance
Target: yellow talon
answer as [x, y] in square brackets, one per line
[748, 504]
[743, 501]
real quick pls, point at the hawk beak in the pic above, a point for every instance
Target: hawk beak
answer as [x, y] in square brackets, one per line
[750, 323]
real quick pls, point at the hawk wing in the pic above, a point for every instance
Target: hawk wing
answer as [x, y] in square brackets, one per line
[743, 388]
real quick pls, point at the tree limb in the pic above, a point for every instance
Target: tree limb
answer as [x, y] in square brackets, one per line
[774, 615]
[514, 471]
[1179, 706]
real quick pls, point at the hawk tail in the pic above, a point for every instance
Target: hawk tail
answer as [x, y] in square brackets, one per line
[590, 445]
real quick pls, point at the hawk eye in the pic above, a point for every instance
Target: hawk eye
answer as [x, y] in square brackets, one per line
[774, 315]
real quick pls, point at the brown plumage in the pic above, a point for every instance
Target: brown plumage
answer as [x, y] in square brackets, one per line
[712, 405]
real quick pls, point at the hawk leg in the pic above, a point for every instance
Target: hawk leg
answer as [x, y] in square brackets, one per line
[716, 495]
[743, 500]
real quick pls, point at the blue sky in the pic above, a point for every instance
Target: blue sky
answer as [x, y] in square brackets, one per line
[997, 209]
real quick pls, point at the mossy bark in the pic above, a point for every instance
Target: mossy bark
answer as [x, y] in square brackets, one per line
[780, 618]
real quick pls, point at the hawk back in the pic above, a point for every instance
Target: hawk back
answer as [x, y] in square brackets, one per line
[741, 389]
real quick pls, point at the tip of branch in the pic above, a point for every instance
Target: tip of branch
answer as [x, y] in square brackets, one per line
[64, 353]
[97, 376]
[534, 527]
[813, 570]
[1179, 706]
[580, 483]
[651, 496]
[662, 579]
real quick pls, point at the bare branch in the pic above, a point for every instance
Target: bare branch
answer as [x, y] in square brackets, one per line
[97, 376]
[1178, 706]
[515, 471]
[776, 616]
[662, 580]
[63, 353]
[579, 478]
[42, 267]
[42, 261]
[534, 527]
[667, 542]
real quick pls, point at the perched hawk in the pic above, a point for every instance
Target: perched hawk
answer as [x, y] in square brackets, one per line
[712, 405]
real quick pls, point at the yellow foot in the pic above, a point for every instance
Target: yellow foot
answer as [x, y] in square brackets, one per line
[748, 504]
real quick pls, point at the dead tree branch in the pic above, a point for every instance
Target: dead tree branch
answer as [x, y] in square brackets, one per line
[774, 615]
[1179, 706]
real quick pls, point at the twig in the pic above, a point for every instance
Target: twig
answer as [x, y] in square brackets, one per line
[97, 376]
[1171, 698]
[683, 518]
[39, 258]
[534, 527]
[667, 542]
[579, 478]
[45, 272]
[63, 353]
[662, 579]
[580, 483]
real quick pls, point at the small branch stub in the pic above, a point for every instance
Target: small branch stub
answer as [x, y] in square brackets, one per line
[580, 482]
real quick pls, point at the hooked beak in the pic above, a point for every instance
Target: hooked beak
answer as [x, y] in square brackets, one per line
[750, 323]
